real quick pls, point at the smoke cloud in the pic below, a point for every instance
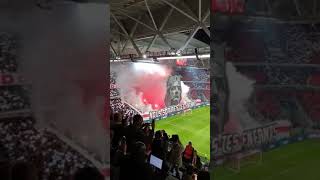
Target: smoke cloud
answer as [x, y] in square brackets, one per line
[63, 55]
[142, 85]
[240, 90]
[184, 94]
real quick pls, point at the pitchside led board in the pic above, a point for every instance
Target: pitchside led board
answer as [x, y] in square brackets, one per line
[247, 113]
[157, 90]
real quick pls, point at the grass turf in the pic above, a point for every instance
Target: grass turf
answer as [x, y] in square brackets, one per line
[290, 162]
[192, 126]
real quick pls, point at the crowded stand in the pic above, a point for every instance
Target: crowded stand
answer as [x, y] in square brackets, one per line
[194, 74]
[268, 105]
[52, 158]
[198, 79]
[200, 75]
[274, 75]
[296, 44]
[135, 143]
[117, 105]
[198, 85]
[114, 93]
[283, 76]
[25, 151]
[8, 48]
[301, 43]
[13, 98]
[293, 44]
[113, 77]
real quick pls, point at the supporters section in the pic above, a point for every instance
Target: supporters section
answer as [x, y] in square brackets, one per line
[265, 90]
[21, 140]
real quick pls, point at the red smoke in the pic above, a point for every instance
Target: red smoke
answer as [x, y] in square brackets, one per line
[153, 90]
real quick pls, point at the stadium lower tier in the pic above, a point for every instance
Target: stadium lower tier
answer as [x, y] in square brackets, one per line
[293, 161]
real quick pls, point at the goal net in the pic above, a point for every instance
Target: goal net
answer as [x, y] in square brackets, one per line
[236, 161]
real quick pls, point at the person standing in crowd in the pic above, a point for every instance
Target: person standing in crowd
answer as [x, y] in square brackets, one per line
[175, 155]
[157, 146]
[148, 135]
[135, 165]
[188, 153]
[118, 129]
[134, 132]
[165, 140]
[196, 161]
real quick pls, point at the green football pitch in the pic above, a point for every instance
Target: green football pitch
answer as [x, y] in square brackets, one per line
[297, 161]
[192, 126]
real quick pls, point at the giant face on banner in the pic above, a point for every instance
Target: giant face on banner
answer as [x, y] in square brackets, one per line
[173, 94]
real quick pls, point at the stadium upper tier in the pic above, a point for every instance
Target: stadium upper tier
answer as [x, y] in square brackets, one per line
[283, 61]
[8, 48]
[288, 43]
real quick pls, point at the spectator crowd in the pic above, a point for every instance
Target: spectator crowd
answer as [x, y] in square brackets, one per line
[292, 50]
[117, 105]
[52, 158]
[13, 98]
[26, 152]
[134, 142]
[8, 53]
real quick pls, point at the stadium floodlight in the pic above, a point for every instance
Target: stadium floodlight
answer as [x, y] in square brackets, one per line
[204, 56]
[144, 56]
[185, 57]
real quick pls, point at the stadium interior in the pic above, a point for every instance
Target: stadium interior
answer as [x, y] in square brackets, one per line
[47, 133]
[198, 90]
[268, 50]
[160, 72]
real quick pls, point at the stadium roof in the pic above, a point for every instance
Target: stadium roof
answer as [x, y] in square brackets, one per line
[140, 26]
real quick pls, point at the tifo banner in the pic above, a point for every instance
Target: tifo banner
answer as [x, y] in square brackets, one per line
[263, 138]
[171, 111]
[249, 139]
